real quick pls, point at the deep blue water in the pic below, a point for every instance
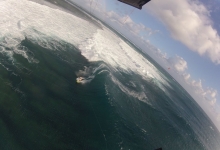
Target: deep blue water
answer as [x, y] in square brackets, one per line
[42, 106]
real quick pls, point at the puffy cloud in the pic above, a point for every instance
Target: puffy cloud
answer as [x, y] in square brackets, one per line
[197, 86]
[161, 54]
[205, 97]
[214, 93]
[188, 22]
[208, 94]
[178, 62]
[186, 76]
[126, 22]
[119, 18]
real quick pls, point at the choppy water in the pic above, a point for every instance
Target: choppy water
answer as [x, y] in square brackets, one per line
[126, 102]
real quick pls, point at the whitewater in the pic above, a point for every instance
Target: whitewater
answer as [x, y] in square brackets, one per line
[39, 23]
[143, 100]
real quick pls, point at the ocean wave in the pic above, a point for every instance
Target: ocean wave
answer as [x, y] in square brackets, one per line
[40, 24]
[140, 95]
[106, 46]
[46, 26]
[133, 85]
[90, 72]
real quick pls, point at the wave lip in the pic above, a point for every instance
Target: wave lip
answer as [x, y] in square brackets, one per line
[106, 46]
[95, 44]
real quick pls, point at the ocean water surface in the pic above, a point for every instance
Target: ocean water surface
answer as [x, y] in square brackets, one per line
[127, 101]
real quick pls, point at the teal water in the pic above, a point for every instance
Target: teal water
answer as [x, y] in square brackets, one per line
[42, 106]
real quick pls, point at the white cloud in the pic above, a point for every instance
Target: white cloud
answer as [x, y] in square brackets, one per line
[127, 23]
[208, 94]
[188, 22]
[214, 93]
[186, 76]
[197, 85]
[178, 63]
[206, 97]
[119, 18]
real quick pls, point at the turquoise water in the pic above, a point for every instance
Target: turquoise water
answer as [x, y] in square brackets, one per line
[42, 106]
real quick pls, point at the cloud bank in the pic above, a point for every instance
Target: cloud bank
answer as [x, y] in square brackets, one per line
[188, 22]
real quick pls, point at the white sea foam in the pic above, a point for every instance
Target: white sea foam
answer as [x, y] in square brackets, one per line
[22, 18]
[106, 46]
[45, 26]
[89, 73]
[140, 95]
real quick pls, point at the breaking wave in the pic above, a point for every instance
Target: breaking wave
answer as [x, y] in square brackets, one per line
[45, 26]
[134, 86]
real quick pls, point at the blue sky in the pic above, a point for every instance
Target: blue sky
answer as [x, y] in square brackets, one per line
[187, 34]
[199, 66]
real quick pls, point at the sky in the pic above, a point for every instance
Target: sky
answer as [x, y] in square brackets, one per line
[184, 36]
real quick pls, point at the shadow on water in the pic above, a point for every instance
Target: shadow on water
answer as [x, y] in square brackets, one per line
[55, 112]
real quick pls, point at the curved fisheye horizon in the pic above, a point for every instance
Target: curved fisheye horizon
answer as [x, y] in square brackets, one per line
[101, 74]
[193, 41]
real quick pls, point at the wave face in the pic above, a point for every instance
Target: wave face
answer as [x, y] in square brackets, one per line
[125, 102]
